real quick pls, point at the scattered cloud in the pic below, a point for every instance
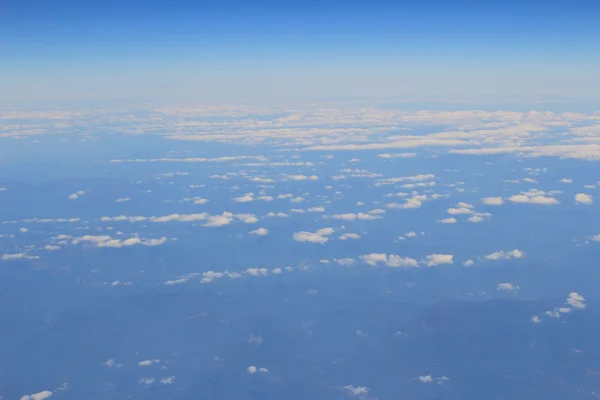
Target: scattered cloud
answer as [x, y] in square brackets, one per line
[583, 198]
[320, 236]
[76, 195]
[507, 287]
[347, 236]
[505, 255]
[260, 232]
[38, 396]
[492, 201]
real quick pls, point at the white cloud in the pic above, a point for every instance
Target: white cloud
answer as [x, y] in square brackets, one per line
[168, 380]
[38, 396]
[536, 199]
[508, 287]
[576, 300]
[397, 155]
[505, 255]
[426, 378]
[278, 215]
[438, 259]
[316, 209]
[390, 260]
[147, 381]
[371, 215]
[460, 210]
[19, 256]
[107, 241]
[346, 236]
[468, 263]
[254, 369]
[260, 232]
[566, 180]
[147, 363]
[216, 221]
[257, 271]
[76, 195]
[244, 199]
[122, 199]
[210, 276]
[583, 198]
[492, 201]
[451, 220]
[320, 236]
[358, 391]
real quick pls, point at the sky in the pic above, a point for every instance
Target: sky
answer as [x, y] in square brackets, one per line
[154, 51]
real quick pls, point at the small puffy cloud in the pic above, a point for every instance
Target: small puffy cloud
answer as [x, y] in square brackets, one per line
[566, 180]
[505, 255]
[320, 236]
[450, 220]
[582, 198]
[576, 300]
[278, 215]
[285, 196]
[301, 178]
[397, 155]
[147, 381]
[215, 221]
[316, 209]
[254, 369]
[352, 216]
[438, 259]
[147, 363]
[257, 271]
[358, 391]
[460, 210]
[18, 256]
[23, 230]
[260, 232]
[168, 380]
[244, 199]
[426, 378]
[210, 276]
[539, 199]
[536, 320]
[38, 396]
[492, 201]
[347, 236]
[123, 199]
[468, 263]
[76, 195]
[479, 217]
[391, 260]
[507, 287]
[297, 199]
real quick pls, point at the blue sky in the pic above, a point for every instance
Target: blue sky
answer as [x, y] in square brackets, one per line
[161, 51]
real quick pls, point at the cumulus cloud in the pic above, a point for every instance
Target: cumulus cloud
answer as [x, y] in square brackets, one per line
[460, 210]
[397, 155]
[566, 180]
[505, 255]
[76, 195]
[38, 396]
[168, 380]
[450, 220]
[260, 232]
[347, 236]
[576, 300]
[438, 259]
[147, 363]
[216, 221]
[371, 215]
[18, 256]
[583, 198]
[244, 199]
[320, 236]
[108, 241]
[391, 260]
[492, 201]
[507, 287]
[254, 369]
[533, 197]
[357, 391]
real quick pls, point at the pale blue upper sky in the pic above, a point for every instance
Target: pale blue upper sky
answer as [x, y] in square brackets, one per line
[182, 50]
